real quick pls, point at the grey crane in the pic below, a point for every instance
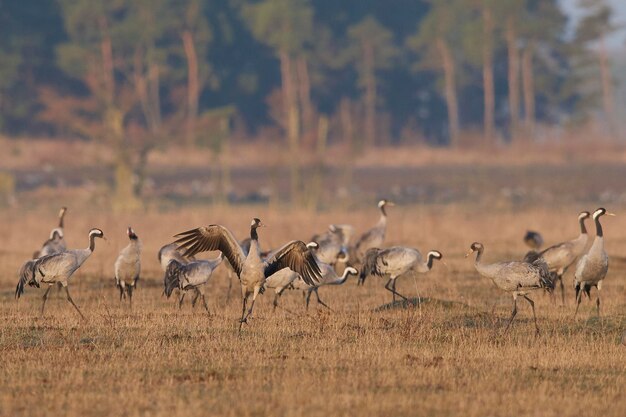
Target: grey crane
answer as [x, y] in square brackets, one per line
[56, 241]
[288, 279]
[191, 276]
[396, 261]
[56, 268]
[561, 256]
[251, 269]
[333, 243]
[329, 277]
[374, 237]
[593, 266]
[515, 277]
[128, 266]
[169, 252]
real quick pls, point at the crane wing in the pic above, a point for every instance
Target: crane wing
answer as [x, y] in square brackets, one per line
[213, 237]
[296, 256]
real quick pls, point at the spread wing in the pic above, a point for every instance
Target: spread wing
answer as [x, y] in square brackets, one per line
[213, 237]
[297, 257]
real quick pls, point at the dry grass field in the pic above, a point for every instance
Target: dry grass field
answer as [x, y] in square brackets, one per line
[446, 357]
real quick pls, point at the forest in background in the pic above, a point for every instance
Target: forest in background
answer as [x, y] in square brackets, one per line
[141, 75]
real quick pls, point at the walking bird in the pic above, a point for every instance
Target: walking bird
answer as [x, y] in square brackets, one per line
[55, 242]
[191, 276]
[559, 257]
[515, 277]
[56, 268]
[288, 279]
[396, 261]
[374, 237]
[593, 266]
[128, 266]
[251, 269]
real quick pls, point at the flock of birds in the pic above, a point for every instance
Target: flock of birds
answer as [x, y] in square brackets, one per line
[308, 266]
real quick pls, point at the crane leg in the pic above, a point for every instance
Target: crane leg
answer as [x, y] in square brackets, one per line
[532, 304]
[45, 298]
[206, 307]
[130, 295]
[257, 290]
[579, 295]
[598, 302]
[513, 314]
[69, 298]
[276, 297]
[562, 289]
[121, 293]
[308, 297]
[319, 301]
[195, 298]
[243, 312]
[391, 286]
[180, 300]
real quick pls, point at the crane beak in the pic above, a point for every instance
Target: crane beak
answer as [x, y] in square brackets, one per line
[611, 214]
[469, 253]
[390, 203]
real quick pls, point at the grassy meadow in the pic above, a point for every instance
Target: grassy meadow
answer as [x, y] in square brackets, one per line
[446, 357]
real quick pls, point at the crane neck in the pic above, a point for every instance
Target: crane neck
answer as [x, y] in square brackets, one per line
[583, 229]
[92, 242]
[344, 277]
[479, 255]
[253, 234]
[599, 232]
[429, 262]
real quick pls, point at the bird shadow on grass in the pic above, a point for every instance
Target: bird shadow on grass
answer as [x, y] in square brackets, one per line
[418, 302]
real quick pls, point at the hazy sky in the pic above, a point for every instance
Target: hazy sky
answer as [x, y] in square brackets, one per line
[619, 8]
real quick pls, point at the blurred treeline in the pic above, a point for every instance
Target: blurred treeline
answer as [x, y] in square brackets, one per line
[142, 73]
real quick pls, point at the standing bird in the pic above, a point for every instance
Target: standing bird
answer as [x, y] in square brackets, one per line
[374, 237]
[559, 257]
[330, 245]
[56, 268]
[128, 266]
[251, 269]
[396, 261]
[593, 266]
[191, 276]
[515, 277]
[56, 242]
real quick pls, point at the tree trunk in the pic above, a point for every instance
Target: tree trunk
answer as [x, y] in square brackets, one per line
[607, 84]
[513, 55]
[447, 63]
[370, 94]
[193, 86]
[317, 180]
[488, 83]
[106, 52]
[528, 86]
[291, 110]
[304, 94]
[347, 127]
